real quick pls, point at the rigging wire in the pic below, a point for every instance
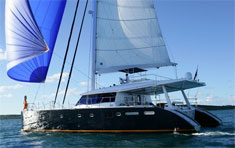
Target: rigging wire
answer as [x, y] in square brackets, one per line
[75, 52]
[36, 94]
[75, 68]
[168, 47]
[66, 53]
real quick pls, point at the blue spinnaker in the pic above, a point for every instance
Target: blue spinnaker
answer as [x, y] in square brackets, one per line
[31, 31]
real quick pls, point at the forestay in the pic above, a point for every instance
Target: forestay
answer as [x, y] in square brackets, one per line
[128, 35]
[31, 31]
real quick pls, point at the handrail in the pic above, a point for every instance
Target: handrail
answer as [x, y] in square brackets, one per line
[146, 77]
[49, 105]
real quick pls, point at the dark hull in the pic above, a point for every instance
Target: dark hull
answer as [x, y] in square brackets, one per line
[206, 119]
[109, 120]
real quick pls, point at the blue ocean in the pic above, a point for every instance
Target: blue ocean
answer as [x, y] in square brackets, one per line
[222, 136]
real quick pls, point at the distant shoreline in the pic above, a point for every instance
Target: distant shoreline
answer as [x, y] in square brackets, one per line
[207, 107]
[214, 107]
[3, 117]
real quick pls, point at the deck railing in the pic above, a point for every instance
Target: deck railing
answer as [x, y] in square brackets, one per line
[49, 105]
[144, 77]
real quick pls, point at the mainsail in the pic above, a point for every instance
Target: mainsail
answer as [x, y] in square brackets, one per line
[128, 36]
[31, 31]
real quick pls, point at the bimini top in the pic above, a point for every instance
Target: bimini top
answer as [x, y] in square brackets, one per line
[150, 87]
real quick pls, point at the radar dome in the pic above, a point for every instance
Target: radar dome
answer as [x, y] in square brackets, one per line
[188, 76]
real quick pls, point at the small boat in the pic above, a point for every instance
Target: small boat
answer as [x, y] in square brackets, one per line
[126, 38]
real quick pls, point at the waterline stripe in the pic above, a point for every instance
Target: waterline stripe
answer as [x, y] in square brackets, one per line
[110, 131]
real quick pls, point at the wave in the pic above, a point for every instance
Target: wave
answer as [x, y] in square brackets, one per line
[214, 134]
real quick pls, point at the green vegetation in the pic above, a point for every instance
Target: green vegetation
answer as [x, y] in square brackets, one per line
[212, 107]
[10, 117]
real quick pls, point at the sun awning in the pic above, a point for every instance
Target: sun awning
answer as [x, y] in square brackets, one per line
[150, 87]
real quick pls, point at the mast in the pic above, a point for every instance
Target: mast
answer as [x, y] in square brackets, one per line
[93, 71]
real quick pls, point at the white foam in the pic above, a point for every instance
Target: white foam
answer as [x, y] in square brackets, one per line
[214, 134]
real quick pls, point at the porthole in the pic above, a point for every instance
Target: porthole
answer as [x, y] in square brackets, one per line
[79, 115]
[118, 114]
[91, 115]
[149, 113]
[42, 117]
[61, 116]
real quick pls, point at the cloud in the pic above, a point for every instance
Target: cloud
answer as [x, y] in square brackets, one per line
[83, 83]
[6, 87]
[72, 91]
[6, 96]
[3, 54]
[231, 99]
[212, 99]
[56, 77]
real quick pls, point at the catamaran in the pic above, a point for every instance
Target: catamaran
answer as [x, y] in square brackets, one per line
[126, 38]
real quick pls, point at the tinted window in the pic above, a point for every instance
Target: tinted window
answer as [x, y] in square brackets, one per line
[94, 99]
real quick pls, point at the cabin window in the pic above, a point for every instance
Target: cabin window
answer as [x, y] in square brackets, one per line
[91, 115]
[94, 99]
[118, 114]
[79, 115]
[149, 113]
[132, 113]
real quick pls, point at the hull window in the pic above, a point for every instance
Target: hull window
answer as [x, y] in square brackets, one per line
[61, 116]
[91, 115]
[132, 113]
[149, 113]
[79, 115]
[118, 114]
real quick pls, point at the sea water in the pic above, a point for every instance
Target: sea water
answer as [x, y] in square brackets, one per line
[221, 136]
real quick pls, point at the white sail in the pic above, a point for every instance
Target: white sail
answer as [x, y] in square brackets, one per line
[128, 36]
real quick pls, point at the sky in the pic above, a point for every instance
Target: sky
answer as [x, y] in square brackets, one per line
[197, 33]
